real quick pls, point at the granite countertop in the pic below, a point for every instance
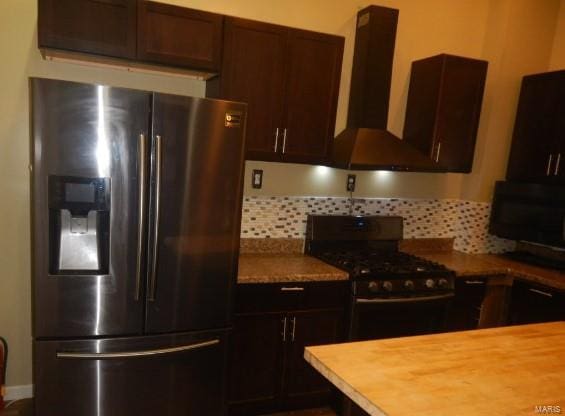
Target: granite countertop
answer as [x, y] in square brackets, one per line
[468, 265]
[285, 267]
[281, 260]
[507, 370]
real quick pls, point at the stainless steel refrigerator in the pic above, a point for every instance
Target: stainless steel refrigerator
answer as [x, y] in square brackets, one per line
[136, 207]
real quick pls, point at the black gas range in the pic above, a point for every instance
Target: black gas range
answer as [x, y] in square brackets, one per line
[367, 248]
[393, 294]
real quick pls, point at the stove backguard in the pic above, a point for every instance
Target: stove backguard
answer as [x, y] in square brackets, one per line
[339, 231]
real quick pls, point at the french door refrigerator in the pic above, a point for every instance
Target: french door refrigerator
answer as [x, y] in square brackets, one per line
[136, 207]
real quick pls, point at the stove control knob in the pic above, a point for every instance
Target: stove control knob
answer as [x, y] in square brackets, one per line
[387, 286]
[373, 286]
[409, 285]
[443, 283]
[430, 283]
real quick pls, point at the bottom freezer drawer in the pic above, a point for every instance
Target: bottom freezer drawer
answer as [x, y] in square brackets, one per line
[168, 375]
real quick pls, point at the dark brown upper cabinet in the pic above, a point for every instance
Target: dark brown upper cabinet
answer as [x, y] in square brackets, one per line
[443, 109]
[290, 80]
[253, 72]
[538, 144]
[103, 27]
[313, 75]
[177, 36]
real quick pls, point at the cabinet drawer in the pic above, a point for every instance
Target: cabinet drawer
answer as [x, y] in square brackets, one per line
[272, 297]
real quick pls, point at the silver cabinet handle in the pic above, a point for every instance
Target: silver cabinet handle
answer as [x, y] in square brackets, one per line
[284, 141]
[158, 171]
[292, 289]
[276, 139]
[135, 354]
[293, 320]
[438, 151]
[557, 162]
[474, 282]
[283, 321]
[541, 292]
[141, 206]
[548, 169]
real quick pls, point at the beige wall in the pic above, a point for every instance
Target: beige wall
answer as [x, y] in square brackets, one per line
[514, 35]
[558, 52]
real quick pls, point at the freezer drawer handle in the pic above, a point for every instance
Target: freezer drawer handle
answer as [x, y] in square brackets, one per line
[404, 300]
[135, 354]
[141, 227]
[158, 168]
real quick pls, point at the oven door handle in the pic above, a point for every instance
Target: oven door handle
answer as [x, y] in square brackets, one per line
[415, 299]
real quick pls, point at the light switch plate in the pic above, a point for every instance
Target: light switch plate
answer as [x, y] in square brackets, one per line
[351, 182]
[257, 179]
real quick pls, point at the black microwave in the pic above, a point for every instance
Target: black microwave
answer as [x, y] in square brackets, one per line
[529, 212]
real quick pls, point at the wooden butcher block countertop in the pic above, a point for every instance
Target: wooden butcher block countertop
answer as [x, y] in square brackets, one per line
[502, 371]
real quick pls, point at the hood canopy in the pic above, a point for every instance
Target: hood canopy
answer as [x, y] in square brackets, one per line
[365, 143]
[373, 149]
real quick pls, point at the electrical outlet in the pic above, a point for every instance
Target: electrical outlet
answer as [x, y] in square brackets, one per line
[257, 179]
[351, 182]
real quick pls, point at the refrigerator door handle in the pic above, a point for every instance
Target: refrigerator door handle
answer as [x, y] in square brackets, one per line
[142, 214]
[136, 354]
[158, 168]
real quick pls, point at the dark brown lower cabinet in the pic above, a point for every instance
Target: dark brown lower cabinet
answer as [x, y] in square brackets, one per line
[256, 362]
[533, 303]
[267, 370]
[304, 386]
[465, 310]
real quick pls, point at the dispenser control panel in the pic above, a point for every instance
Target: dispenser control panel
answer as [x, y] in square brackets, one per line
[78, 193]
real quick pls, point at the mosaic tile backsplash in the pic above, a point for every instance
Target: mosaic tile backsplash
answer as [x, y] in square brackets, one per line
[465, 221]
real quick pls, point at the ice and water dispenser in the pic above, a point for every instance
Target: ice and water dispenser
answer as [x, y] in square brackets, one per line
[79, 225]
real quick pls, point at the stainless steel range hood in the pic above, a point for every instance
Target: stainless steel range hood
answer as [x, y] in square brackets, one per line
[366, 144]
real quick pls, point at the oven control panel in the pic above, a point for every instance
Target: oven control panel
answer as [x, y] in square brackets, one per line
[403, 287]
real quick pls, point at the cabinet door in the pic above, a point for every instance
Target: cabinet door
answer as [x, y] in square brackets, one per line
[559, 136]
[313, 74]
[105, 27]
[421, 107]
[465, 310]
[458, 113]
[304, 386]
[532, 303]
[253, 72]
[178, 36]
[255, 362]
[531, 155]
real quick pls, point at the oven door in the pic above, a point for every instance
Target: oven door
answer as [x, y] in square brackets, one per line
[378, 318]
